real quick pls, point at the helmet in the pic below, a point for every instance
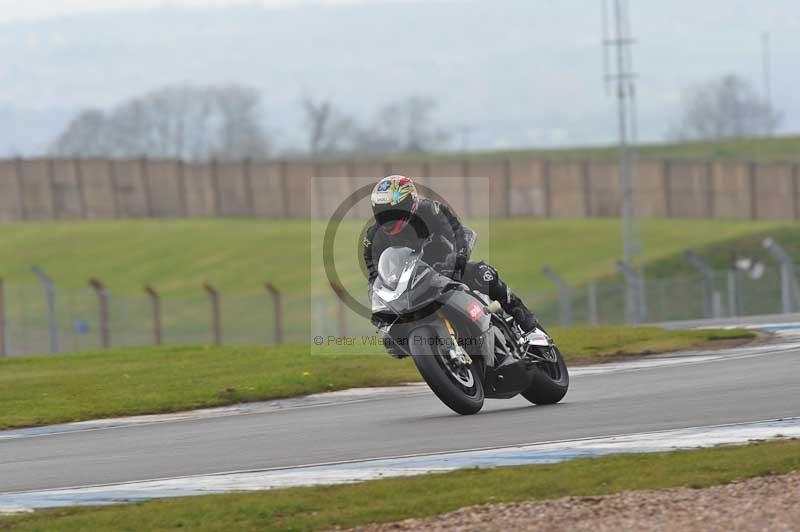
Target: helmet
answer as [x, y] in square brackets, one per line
[394, 199]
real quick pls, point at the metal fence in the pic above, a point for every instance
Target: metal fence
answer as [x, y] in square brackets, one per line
[95, 318]
[722, 294]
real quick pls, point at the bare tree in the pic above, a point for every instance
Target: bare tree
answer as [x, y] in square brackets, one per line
[728, 107]
[184, 122]
[85, 134]
[405, 126]
[240, 134]
[330, 132]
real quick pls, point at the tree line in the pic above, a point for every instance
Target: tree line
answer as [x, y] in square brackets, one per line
[227, 123]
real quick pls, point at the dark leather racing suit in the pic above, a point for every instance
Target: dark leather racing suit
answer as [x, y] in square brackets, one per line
[436, 221]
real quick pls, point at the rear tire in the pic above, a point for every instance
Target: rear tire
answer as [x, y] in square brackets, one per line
[550, 382]
[464, 400]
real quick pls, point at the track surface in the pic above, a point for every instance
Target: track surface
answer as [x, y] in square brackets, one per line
[729, 390]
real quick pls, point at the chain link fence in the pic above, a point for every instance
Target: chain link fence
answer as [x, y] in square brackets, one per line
[726, 294]
[79, 321]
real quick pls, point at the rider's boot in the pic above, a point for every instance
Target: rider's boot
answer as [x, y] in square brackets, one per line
[514, 306]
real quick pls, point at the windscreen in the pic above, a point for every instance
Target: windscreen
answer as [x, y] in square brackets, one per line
[391, 265]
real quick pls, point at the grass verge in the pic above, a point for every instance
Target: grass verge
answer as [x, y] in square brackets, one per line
[588, 345]
[323, 508]
[55, 389]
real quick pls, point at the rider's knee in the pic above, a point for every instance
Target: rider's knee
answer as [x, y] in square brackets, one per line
[482, 276]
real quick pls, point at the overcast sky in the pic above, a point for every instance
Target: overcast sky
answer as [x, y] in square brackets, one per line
[11, 10]
[512, 73]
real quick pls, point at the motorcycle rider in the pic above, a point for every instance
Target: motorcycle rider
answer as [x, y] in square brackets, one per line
[404, 218]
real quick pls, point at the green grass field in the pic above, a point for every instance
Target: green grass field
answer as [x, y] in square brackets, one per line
[382, 501]
[762, 149]
[92, 385]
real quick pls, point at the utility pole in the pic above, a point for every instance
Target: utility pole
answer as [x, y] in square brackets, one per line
[767, 71]
[623, 77]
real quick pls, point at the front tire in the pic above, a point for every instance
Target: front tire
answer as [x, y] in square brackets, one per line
[462, 392]
[550, 382]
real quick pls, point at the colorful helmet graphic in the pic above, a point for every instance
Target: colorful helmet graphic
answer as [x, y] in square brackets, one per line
[394, 199]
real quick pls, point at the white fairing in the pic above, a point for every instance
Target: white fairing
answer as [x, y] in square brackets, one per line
[385, 294]
[539, 338]
[377, 304]
[395, 269]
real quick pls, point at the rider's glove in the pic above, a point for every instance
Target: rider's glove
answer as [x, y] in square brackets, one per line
[461, 263]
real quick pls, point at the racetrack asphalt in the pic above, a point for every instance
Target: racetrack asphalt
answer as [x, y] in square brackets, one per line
[690, 390]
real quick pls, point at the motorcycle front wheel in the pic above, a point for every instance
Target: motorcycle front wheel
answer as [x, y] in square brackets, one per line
[550, 382]
[458, 386]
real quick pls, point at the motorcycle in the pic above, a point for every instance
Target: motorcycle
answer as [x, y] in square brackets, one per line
[465, 346]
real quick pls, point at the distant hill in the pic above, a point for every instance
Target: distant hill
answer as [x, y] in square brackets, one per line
[756, 149]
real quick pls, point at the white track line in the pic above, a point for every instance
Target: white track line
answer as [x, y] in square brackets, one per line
[358, 471]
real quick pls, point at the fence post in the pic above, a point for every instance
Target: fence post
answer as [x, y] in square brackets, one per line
[214, 165]
[3, 346]
[753, 189]
[144, 178]
[564, 296]
[19, 174]
[666, 180]
[709, 189]
[183, 201]
[587, 188]
[284, 184]
[592, 302]
[102, 303]
[548, 190]
[466, 172]
[276, 305]
[81, 187]
[247, 176]
[635, 303]
[342, 317]
[789, 288]
[708, 281]
[50, 294]
[155, 301]
[733, 293]
[216, 318]
[796, 191]
[55, 206]
[507, 187]
[114, 185]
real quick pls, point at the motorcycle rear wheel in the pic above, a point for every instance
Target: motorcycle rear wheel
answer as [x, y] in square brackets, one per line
[462, 392]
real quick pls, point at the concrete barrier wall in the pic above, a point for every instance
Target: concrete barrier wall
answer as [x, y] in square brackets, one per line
[58, 189]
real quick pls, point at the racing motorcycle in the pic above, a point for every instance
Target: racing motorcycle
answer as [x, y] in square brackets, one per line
[465, 346]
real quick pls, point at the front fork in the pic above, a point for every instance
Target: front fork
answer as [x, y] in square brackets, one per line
[457, 352]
